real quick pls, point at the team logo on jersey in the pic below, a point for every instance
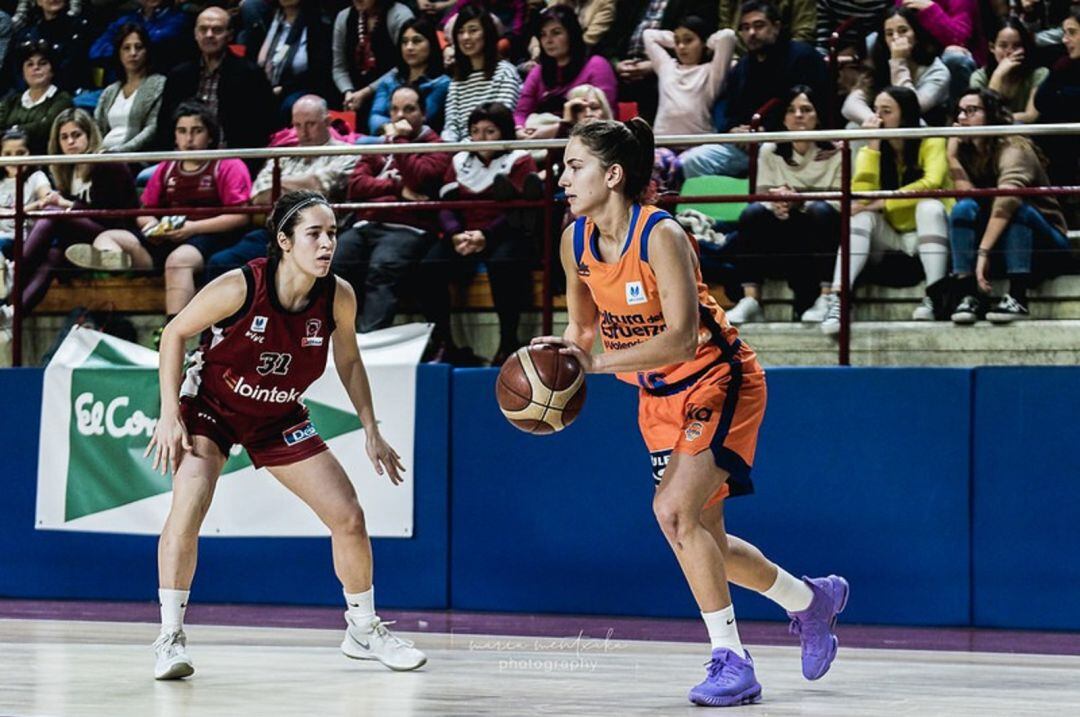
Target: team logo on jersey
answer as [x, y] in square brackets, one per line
[312, 329]
[583, 269]
[694, 431]
[258, 324]
[299, 433]
[635, 293]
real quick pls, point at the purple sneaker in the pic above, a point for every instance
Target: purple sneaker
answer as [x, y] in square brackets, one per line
[730, 681]
[815, 624]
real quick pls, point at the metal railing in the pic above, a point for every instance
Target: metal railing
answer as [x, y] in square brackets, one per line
[844, 195]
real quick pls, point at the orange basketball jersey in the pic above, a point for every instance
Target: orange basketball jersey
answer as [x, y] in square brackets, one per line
[628, 298]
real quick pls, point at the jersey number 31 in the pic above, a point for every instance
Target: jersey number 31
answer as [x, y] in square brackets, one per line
[273, 362]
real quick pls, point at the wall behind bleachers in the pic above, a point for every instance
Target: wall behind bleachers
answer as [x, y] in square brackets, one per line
[946, 496]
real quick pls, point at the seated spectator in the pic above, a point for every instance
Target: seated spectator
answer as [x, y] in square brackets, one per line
[479, 76]
[1043, 19]
[179, 245]
[797, 16]
[910, 226]
[35, 109]
[366, 35]
[380, 253]
[168, 29]
[1058, 100]
[420, 65]
[482, 234]
[127, 111]
[234, 89]
[36, 187]
[563, 64]
[1026, 234]
[509, 17]
[296, 54]
[690, 82]
[903, 55]
[78, 186]
[956, 26]
[594, 16]
[7, 32]
[326, 174]
[773, 64]
[625, 45]
[67, 38]
[1012, 72]
[793, 240]
[866, 16]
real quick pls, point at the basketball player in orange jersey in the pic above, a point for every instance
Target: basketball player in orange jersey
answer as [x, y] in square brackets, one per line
[633, 272]
[271, 324]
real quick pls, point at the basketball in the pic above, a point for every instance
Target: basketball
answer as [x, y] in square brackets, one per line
[540, 390]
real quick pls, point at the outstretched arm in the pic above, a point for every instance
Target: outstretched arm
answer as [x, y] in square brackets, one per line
[350, 368]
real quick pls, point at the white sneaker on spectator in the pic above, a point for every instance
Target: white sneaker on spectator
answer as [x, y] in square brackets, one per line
[172, 658]
[747, 310]
[830, 325]
[816, 313]
[1007, 311]
[86, 256]
[7, 311]
[375, 642]
[924, 311]
[7, 277]
[967, 311]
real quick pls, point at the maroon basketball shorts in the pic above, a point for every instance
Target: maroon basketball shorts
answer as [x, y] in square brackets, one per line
[275, 442]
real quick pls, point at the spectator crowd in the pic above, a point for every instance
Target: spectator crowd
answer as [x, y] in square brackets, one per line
[126, 76]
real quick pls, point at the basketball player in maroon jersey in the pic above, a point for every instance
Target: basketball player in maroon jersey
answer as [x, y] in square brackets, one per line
[271, 322]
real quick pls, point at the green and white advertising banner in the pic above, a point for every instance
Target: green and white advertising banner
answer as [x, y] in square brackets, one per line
[99, 407]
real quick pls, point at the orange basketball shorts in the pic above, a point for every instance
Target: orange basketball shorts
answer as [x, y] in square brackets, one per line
[720, 412]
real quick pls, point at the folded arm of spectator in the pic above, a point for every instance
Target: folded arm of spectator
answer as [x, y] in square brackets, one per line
[949, 27]
[935, 166]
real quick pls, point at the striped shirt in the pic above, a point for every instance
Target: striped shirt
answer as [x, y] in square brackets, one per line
[465, 95]
[830, 13]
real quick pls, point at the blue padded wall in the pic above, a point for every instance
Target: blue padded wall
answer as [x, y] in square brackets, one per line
[409, 573]
[1026, 498]
[863, 472]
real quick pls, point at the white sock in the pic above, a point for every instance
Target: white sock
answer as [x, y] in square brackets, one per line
[723, 632]
[789, 592]
[173, 606]
[361, 606]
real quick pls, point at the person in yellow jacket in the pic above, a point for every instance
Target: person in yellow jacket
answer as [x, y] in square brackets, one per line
[912, 226]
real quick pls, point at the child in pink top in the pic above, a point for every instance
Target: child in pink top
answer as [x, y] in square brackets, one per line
[690, 82]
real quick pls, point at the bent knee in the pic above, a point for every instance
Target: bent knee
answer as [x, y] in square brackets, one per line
[931, 210]
[351, 523]
[674, 518]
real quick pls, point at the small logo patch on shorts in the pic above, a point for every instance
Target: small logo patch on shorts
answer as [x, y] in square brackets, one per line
[694, 431]
[299, 433]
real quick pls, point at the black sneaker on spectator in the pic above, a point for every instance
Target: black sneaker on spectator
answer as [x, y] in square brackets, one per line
[1007, 311]
[967, 311]
[924, 311]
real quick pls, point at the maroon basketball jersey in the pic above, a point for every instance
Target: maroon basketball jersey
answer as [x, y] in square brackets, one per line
[258, 362]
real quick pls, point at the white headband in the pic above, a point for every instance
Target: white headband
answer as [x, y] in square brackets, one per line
[297, 207]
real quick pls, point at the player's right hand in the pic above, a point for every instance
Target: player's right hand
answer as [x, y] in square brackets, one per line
[169, 443]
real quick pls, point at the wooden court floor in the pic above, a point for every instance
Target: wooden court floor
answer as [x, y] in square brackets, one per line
[50, 668]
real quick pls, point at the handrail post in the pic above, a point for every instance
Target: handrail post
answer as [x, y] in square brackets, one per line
[17, 280]
[845, 253]
[548, 300]
[275, 183]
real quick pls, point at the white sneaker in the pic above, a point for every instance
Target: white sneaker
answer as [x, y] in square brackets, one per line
[747, 310]
[7, 314]
[86, 256]
[375, 642]
[172, 659]
[7, 277]
[924, 311]
[830, 325]
[816, 313]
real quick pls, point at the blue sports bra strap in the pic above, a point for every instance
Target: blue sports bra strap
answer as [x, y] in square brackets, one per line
[579, 239]
[651, 222]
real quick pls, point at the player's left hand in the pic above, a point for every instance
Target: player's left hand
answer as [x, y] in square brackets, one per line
[384, 458]
[177, 236]
[567, 348]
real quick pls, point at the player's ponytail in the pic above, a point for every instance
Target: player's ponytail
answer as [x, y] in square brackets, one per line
[285, 214]
[630, 145]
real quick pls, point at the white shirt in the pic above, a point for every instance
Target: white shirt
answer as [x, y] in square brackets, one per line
[28, 103]
[31, 187]
[118, 120]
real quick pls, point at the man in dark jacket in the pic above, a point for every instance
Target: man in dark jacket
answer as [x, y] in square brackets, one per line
[624, 47]
[381, 250]
[773, 64]
[235, 89]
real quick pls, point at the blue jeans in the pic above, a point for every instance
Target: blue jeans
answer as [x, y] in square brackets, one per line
[961, 66]
[251, 246]
[729, 160]
[1028, 232]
